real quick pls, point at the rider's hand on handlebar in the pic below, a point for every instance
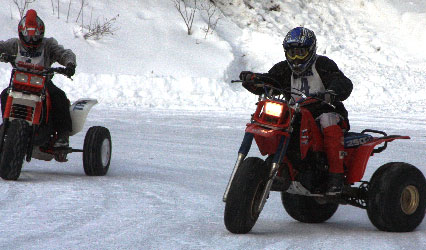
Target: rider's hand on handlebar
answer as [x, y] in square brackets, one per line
[70, 69]
[247, 76]
[329, 96]
[4, 57]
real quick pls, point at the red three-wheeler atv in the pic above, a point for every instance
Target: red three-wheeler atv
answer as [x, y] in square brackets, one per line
[27, 131]
[296, 165]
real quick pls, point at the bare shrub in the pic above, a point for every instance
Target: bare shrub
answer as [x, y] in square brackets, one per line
[68, 13]
[210, 9]
[81, 12]
[100, 29]
[187, 16]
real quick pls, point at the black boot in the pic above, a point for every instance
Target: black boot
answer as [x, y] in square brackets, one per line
[334, 184]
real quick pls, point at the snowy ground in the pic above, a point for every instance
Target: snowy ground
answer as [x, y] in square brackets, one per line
[165, 186]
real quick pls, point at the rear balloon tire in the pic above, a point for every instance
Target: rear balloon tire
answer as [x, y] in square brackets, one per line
[97, 151]
[397, 197]
[14, 149]
[306, 208]
[245, 194]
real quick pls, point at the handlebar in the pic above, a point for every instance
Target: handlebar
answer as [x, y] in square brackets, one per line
[7, 58]
[261, 81]
[32, 67]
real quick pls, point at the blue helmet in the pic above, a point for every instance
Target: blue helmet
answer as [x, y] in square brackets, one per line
[300, 47]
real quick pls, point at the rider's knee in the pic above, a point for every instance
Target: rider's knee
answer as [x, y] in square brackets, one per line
[329, 119]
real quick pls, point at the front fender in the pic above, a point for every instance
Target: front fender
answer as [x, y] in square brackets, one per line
[79, 111]
[267, 140]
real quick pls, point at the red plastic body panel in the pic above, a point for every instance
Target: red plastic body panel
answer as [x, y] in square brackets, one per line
[27, 85]
[268, 132]
[8, 107]
[357, 158]
[267, 140]
[310, 134]
[37, 113]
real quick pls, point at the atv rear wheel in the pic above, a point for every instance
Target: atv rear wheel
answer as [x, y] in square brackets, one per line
[397, 197]
[97, 151]
[14, 149]
[306, 208]
[245, 195]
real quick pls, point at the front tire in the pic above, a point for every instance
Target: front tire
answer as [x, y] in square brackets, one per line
[245, 194]
[97, 151]
[397, 197]
[14, 149]
[306, 208]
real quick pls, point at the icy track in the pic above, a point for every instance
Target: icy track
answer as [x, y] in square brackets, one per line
[164, 189]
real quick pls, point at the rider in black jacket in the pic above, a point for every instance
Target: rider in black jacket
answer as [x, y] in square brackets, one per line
[312, 74]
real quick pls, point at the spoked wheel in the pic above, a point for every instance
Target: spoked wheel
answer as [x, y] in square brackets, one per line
[397, 197]
[244, 197]
[14, 149]
[307, 209]
[97, 151]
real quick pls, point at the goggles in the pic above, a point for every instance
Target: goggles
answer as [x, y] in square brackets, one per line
[297, 53]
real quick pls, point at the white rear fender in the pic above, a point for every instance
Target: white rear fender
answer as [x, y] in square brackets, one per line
[79, 111]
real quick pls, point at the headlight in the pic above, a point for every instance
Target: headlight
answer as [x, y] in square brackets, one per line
[35, 80]
[20, 77]
[273, 109]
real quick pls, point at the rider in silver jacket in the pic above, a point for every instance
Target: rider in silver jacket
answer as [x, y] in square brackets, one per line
[32, 47]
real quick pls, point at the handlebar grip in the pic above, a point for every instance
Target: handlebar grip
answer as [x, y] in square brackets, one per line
[59, 70]
[7, 58]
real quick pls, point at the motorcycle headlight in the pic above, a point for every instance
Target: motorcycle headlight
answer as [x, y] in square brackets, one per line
[273, 109]
[21, 77]
[35, 80]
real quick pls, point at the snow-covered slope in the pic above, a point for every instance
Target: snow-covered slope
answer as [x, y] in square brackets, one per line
[150, 61]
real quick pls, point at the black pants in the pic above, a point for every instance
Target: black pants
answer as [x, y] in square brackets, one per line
[60, 114]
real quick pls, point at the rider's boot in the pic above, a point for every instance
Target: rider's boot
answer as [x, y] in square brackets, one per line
[333, 144]
[63, 140]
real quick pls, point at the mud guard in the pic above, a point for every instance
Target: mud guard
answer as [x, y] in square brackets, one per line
[357, 163]
[79, 111]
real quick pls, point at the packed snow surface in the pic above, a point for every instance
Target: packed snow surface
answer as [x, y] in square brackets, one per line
[176, 121]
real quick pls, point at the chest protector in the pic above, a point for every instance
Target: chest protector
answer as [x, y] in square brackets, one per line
[308, 83]
[36, 57]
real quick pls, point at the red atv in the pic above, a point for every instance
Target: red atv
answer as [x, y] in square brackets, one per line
[27, 130]
[296, 165]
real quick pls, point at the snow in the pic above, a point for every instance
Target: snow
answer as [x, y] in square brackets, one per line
[177, 122]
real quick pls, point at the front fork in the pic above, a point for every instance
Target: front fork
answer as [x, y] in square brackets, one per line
[242, 153]
[31, 143]
[276, 162]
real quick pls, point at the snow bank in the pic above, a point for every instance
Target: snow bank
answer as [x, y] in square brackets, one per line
[152, 62]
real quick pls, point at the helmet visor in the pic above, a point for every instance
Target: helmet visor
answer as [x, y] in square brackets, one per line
[31, 35]
[297, 53]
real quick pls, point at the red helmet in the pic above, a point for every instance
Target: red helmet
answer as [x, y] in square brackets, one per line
[31, 30]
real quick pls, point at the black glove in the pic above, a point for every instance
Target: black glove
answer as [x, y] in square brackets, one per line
[5, 58]
[70, 69]
[246, 76]
[337, 89]
[329, 96]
